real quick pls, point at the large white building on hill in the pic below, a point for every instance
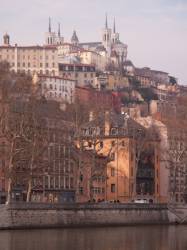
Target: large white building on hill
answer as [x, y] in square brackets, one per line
[45, 59]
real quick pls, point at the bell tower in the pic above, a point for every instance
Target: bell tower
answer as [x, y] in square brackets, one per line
[115, 35]
[50, 36]
[106, 37]
[6, 40]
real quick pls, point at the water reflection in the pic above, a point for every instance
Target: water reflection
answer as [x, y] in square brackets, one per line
[123, 238]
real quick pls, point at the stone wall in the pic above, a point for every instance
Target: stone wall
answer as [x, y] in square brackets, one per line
[35, 215]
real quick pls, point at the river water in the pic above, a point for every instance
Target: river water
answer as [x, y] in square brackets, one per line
[114, 238]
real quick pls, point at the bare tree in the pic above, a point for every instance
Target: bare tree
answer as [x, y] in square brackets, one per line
[143, 142]
[176, 155]
[21, 128]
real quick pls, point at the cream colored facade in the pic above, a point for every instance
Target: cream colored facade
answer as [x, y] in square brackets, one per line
[91, 57]
[111, 81]
[83, 74]
[56, 88]
[31, 59]
[66, 49]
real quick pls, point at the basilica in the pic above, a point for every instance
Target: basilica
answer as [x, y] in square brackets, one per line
[110, 48]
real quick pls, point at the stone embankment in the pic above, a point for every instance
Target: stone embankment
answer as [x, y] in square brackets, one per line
[34, 215]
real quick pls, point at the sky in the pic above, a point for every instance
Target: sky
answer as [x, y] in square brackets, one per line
[154, 30]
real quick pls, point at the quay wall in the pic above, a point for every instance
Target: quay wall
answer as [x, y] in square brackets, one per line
[34, 215]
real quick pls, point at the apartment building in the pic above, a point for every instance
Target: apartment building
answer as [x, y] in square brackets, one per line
[83, 74]
[56, 88]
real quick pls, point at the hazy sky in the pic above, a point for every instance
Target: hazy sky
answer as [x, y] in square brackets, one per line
[155, 30]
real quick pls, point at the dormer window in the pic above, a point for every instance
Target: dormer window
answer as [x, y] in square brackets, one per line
[114, 131]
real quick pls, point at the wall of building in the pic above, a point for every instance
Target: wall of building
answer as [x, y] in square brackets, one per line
[83, 74]
[57, 88]
[31, 59]
[118, 169]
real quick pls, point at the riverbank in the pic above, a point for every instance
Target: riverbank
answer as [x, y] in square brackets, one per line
[40, 215]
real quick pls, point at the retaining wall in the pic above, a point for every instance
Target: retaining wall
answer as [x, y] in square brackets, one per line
[34, 215]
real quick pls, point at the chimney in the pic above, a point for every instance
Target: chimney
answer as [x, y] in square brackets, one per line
[91, 116]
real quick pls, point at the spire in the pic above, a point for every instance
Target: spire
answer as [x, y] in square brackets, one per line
[106, 22]
[74, 38]
[114, 29]
[58, 29]
[49, 24]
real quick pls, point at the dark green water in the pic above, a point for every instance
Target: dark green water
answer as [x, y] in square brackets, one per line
[119, 238]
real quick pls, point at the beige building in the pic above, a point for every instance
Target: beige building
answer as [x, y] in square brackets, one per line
[30, 59]
[116, 81]
[111, 81]
[83, 74]
[94, 58]
[128, 178]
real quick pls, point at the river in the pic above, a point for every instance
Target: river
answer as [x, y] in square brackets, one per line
[111, 238]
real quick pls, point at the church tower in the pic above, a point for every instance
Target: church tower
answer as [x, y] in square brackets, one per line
[50, 36]
[106, 37]
[115, 35]
[6, 40]
[74, 38]
[59, 39]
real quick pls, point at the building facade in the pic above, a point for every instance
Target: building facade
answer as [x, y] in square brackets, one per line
[128, 178]
[31, 59]
[82, 74]
[56, 88]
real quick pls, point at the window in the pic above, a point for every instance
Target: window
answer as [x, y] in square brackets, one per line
[80, 190]
[101, 144]
[71, 182]
[51, 182]
[131, 172]
[157, 159]
[112, 171]
[112, 156]
[132, 157]
[114, 131]
[113, 188]
[81, 177]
